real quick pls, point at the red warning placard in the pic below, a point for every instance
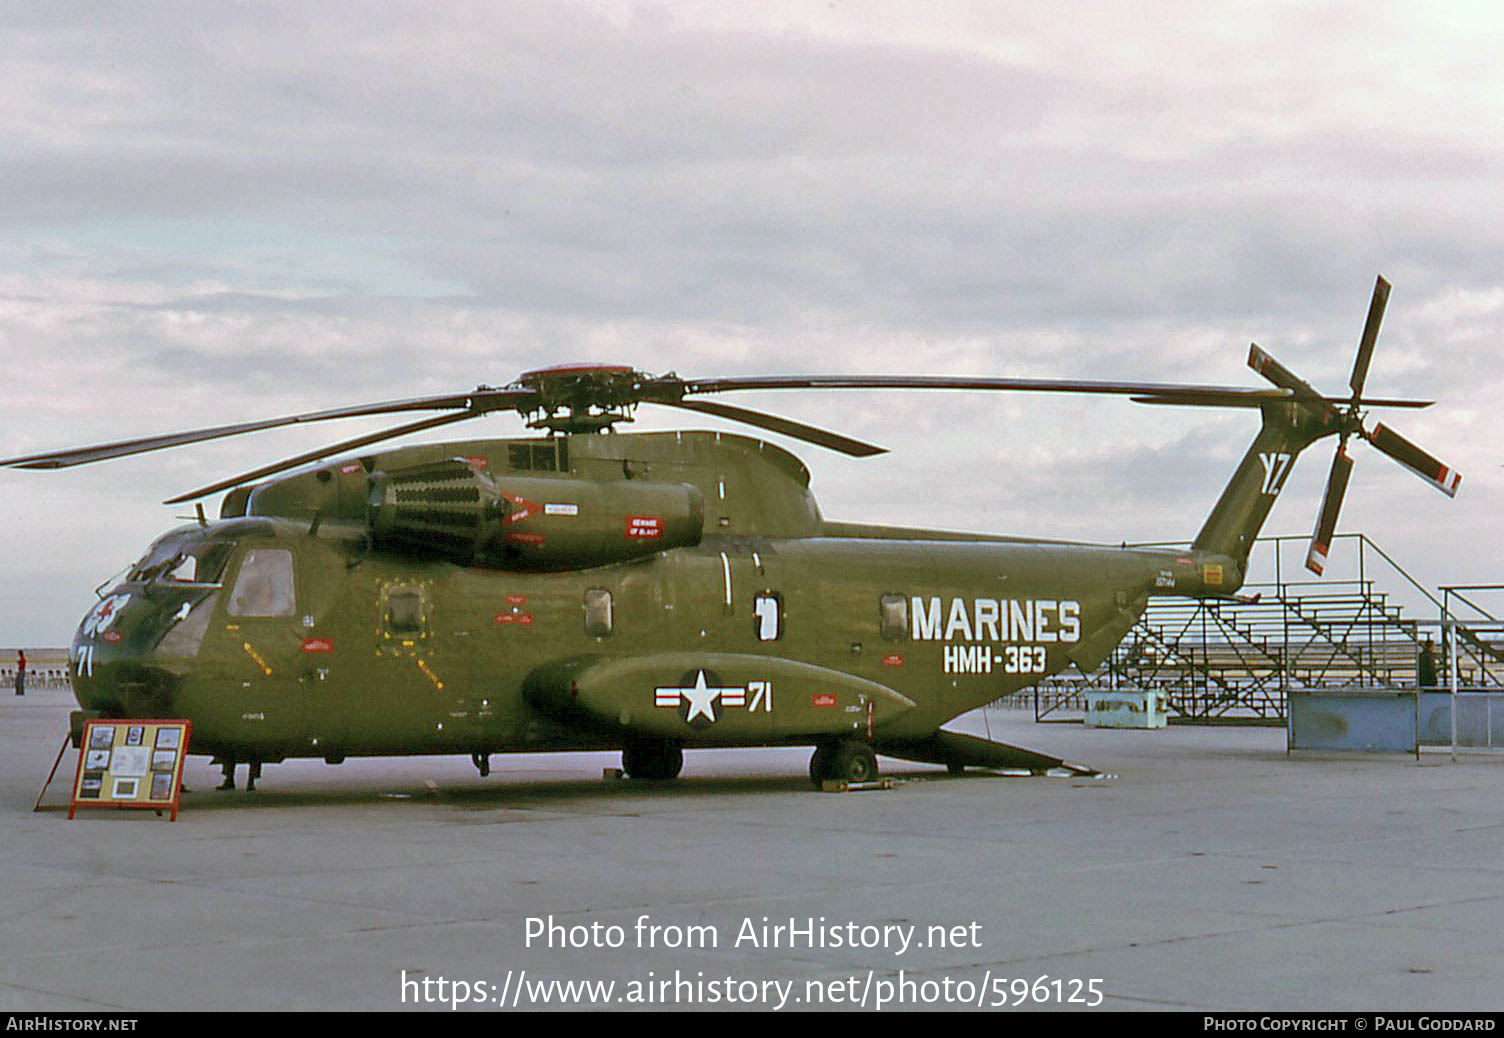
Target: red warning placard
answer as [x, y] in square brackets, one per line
[644, 527]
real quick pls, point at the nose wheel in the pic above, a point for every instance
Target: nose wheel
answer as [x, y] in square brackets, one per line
[848, 761]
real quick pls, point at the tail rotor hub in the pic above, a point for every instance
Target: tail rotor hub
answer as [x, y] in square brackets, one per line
[1346, 419]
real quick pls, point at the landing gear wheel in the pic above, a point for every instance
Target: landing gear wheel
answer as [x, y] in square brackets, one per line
[482, 762]
[843, 762]
[955, 767]
[655, 761]
[854, 762]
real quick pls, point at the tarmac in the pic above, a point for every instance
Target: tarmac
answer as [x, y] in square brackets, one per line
[1210, 872]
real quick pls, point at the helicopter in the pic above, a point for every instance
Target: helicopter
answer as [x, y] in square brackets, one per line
[582, 588]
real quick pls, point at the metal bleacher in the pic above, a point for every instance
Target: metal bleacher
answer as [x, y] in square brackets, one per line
[1238, 660]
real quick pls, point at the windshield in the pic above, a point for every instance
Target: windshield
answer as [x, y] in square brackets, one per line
[182, 559]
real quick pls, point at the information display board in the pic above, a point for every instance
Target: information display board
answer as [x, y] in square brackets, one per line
[131, 763]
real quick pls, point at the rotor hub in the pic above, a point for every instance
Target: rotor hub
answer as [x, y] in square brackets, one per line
[581, 398]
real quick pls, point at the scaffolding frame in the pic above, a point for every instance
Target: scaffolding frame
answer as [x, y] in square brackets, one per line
[1239, 659]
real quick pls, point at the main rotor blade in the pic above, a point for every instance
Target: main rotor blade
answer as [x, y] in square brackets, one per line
[477, 402]
[1209, 397]
[1430, 469]
[1370, 335]
[1331, 504]
[786, 426]
[1260, 397]
[1025, 385]
[322, 452]
[662, 389]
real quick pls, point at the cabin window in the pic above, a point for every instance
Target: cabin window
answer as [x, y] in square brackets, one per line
[767, 616]
[598, 612]
[403, 615]
[893, 614]
[549, 456]
[404, 611]
[265, 584]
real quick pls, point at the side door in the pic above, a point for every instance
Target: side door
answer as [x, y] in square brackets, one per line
[867, 591]
[261, 654]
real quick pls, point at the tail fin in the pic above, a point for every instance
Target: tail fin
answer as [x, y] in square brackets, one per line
[1239, 515]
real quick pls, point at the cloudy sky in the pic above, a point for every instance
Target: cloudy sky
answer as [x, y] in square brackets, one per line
[220, 212]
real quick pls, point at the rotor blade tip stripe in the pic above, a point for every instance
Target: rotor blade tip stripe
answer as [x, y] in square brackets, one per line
[1316, 558]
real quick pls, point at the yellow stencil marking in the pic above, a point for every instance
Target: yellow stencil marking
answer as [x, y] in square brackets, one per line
[428, 673]
[253, 654]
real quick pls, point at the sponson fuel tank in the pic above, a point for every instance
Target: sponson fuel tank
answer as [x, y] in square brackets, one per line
[455, 510]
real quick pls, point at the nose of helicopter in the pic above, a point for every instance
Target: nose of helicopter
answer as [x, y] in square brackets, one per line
[117, 660]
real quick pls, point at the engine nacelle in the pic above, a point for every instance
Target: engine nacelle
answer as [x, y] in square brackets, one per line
[455, 510]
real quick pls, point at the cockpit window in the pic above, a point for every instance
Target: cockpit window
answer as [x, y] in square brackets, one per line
[264, 586]
[209, 561]
[182, 568]
[156, 560]
[200, 562]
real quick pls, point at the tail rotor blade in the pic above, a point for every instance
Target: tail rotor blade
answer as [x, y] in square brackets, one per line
[1370, 336]
[1305, 394]
[1387, 441]
[1326, 523]
[1263, 362]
